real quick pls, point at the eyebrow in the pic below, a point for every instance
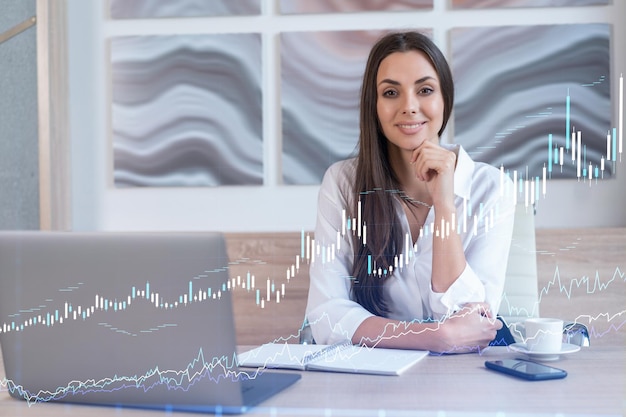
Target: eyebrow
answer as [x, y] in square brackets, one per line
[393, 82]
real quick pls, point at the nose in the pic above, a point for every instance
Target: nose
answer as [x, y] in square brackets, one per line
[410, 104]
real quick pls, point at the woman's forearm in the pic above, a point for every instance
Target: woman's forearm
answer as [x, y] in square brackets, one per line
[448, 255]
[385, 333]
[467, 330]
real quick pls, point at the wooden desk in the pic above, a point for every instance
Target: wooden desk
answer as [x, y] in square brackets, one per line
[597, 376]
[456, 384]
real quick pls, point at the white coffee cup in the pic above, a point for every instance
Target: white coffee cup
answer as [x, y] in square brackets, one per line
[544, 335]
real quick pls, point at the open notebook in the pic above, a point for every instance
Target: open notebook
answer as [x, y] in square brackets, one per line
[340, 357]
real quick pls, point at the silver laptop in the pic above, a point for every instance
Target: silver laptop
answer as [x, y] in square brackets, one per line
[125, 319]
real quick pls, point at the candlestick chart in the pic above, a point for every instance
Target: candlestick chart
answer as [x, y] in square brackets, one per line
[106, 310]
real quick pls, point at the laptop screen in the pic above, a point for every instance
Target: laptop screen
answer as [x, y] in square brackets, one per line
[140, 319]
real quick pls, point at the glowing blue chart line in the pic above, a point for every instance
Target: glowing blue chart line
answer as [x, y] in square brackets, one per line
[199, 368]
[516, 186]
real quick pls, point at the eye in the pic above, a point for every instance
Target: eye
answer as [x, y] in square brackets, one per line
[425, 91]
[390, 93]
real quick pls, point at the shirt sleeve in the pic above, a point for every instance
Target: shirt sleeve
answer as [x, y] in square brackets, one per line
[331, 312]
[486, 247]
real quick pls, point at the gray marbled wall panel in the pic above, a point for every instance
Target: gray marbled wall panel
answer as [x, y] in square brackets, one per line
[321, 75]
[462, 4]
[347, 6]
[187, 110]
[139, 9]
[512, 84]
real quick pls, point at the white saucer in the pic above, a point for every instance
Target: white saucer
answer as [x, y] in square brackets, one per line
[544, 356]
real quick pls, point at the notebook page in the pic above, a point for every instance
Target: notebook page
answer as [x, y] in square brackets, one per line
[281, 355]
[377, 361]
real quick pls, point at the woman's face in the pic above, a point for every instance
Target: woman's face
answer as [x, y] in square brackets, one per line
[409, 100]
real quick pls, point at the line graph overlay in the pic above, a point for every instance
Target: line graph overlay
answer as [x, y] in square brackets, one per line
[581, 277]
[584, 294]
[216, 370]
[568, 292]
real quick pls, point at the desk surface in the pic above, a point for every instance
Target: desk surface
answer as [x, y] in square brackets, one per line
[456, 384]
[460, 385]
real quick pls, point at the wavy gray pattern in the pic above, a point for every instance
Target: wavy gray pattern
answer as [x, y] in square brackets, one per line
[140, 9]
[478, 4]
[187, 110]
[512, 84]
[348, 6]
[321, 77]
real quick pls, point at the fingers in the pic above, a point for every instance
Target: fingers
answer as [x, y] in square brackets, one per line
[425, 145]
[492, 324]
[430, 162]
[498, 324]
[430, 159]
[481, 308]
[470, 329]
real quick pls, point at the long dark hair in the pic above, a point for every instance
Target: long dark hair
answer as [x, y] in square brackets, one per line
[375, 179]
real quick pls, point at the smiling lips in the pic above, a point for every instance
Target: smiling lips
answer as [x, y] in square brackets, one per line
[410, 128]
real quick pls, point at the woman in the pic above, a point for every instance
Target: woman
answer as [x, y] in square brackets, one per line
[424, 267]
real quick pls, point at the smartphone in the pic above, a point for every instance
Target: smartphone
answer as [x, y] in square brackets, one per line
[531, 371]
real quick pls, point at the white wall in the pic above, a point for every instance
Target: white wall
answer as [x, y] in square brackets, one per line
[97, 205]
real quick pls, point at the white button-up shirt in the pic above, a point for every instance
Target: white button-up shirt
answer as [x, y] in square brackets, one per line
[485, 223]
